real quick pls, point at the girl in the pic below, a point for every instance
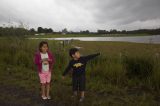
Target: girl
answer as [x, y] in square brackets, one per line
[44, 61]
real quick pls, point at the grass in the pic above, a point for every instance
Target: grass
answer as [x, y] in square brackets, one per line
[86, 35]
[124, 74]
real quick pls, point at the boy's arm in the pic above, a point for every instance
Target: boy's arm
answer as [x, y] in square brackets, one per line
[89, 57]
[67, 69]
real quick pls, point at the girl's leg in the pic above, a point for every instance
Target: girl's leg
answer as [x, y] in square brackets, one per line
[48, 79]
[43, 85]
[48, 89]
[43, 90]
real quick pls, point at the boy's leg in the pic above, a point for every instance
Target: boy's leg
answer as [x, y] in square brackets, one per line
[82, 94]
[75, 85]
[82, 87]
[75, 93]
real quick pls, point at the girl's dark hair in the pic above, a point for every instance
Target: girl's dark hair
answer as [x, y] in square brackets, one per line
[41, 44]
[72, 51]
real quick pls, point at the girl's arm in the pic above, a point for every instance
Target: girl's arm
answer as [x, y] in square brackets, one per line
[52, 60]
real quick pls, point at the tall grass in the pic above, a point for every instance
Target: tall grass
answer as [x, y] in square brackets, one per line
[107, 73]
[114, 69]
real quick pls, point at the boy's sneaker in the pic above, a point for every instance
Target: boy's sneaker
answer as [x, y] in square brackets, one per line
[44, 97]
[81, 99]
[74, 95]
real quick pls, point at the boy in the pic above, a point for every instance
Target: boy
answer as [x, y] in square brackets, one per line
[78, 65]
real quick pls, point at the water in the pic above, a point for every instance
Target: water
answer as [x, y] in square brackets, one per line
[136, 39]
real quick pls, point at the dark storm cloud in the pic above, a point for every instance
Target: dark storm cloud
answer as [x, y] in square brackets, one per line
[82, 14]
[127, 11]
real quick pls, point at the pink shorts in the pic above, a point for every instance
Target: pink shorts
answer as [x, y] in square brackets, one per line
[45, 77]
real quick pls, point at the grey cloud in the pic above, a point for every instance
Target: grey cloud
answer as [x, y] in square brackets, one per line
[82, 14]
[127, 11]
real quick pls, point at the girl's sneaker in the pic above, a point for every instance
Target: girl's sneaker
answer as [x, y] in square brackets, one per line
[81, 99]
[48, 97]
[44, 97]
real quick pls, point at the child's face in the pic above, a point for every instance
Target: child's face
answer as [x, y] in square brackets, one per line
[44, 48]
[76, 55]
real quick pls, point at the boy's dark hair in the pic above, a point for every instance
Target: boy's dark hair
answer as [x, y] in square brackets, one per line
[41, 44]
[72, 51]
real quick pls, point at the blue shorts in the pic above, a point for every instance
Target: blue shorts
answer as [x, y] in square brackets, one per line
[78, 83]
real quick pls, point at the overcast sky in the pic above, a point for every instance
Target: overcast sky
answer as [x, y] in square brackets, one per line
[79, 15]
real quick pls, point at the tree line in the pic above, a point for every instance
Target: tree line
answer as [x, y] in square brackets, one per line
[139, 31]
[15, 31]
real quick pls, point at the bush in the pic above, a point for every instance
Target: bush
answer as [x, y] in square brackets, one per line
[140, 67]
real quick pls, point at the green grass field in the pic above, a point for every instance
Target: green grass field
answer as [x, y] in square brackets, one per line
[125, 74]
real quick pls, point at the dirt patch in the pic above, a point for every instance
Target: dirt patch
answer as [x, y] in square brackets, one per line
[17, 96]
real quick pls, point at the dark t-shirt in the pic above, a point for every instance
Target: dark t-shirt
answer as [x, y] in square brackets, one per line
[78, 66]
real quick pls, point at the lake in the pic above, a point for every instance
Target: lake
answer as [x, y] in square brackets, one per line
[136, 39]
